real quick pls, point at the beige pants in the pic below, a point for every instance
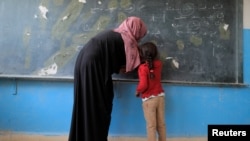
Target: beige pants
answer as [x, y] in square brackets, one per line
[154, 113]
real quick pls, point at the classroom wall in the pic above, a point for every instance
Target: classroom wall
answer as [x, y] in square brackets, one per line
[43, 108]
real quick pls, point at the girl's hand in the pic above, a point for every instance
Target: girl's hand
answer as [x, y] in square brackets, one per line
[137, 94]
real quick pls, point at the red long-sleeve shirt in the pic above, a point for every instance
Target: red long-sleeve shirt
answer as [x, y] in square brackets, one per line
[147, 86]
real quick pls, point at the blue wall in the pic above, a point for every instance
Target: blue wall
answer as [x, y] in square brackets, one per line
[44, 107]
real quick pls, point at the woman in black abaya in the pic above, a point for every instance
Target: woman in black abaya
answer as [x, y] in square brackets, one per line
[102, 56]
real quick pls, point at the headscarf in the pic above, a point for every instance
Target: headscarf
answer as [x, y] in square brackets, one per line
[132, 29]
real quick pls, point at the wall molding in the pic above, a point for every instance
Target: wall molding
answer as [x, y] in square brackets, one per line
[246, 11]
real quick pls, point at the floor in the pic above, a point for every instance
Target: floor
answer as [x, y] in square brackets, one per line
[24, 137]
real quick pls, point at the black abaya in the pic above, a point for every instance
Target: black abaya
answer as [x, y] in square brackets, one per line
[102, 56]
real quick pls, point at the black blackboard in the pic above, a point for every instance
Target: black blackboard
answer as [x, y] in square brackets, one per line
[41, 39]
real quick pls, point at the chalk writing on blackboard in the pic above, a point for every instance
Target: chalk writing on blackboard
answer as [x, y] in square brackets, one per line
[43, 39]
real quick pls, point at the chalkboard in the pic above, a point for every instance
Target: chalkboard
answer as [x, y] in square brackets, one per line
[41, 39]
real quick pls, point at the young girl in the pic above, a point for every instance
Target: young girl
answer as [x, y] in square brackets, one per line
[151, 92]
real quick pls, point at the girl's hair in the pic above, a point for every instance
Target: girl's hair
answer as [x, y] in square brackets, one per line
[148, 53]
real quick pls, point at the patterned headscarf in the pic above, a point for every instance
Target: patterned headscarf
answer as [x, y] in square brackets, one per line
[132, 29]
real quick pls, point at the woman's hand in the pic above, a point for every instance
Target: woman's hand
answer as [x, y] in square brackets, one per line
[122, 69]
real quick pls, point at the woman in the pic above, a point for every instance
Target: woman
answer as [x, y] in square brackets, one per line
[102, 56]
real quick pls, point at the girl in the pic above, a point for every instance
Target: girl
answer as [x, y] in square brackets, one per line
[151, 92]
